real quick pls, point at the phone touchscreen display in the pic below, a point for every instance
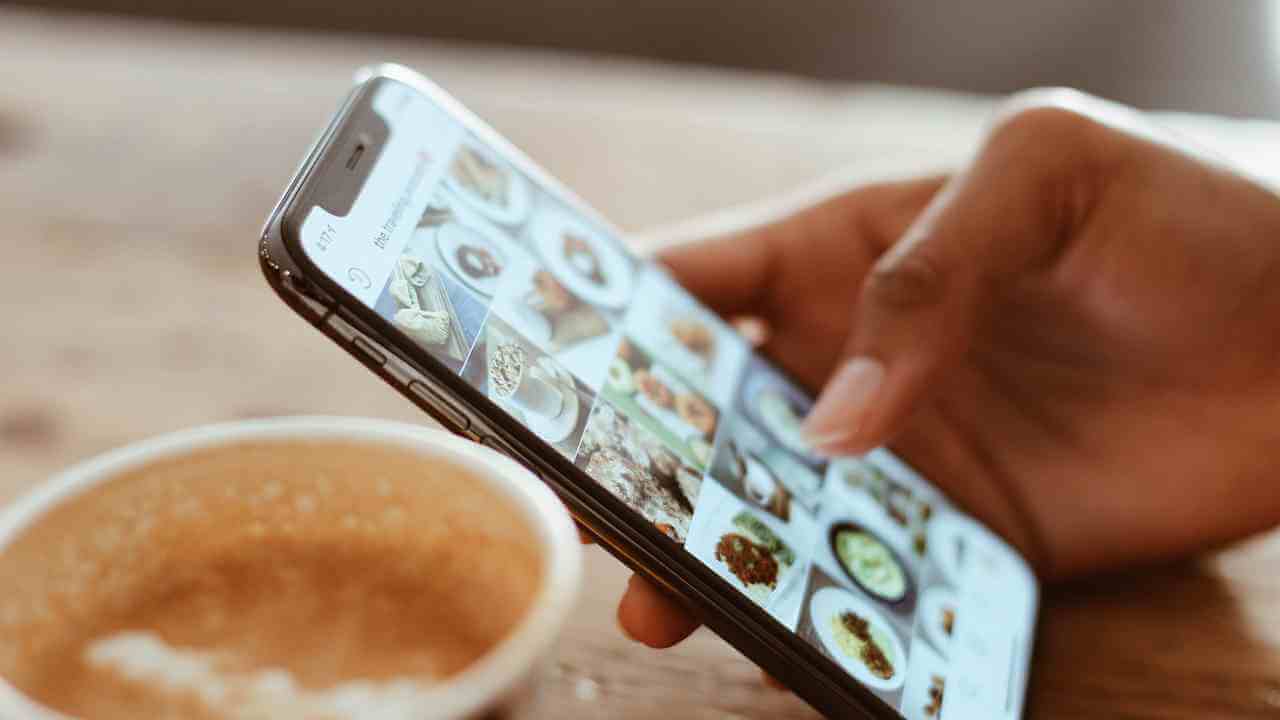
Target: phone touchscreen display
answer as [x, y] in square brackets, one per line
[610, 362]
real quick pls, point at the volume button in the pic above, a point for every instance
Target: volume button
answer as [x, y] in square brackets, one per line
[345, 331]
[357, 339]
[369, 350]
[441, 403]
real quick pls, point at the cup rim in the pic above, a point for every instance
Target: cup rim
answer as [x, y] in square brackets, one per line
[490, 677]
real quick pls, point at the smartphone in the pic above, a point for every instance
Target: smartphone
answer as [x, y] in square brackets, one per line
[454, 267]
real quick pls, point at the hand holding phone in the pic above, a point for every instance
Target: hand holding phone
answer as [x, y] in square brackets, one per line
[1068, 352]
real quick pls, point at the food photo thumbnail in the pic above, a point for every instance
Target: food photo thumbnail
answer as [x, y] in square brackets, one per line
[488, 184]
[585, 259]
[554, 318]
[466, 246]
[430, 306]
[640, 470]
[751, 465]
[856, 634]
[752, 550]
[530, 385]
[689, 338]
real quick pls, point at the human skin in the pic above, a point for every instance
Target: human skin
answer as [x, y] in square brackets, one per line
[1077, 337]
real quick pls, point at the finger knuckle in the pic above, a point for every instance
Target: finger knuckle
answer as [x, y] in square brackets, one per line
[1047, 126]
[905, 284]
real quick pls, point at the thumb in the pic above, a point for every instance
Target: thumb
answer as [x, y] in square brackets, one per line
[923, 299]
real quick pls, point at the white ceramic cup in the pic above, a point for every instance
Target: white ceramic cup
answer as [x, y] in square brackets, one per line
[500, 683]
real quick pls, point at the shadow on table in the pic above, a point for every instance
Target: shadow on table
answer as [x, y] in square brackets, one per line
[1164, 642]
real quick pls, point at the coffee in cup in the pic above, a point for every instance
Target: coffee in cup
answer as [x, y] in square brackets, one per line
[318, 568]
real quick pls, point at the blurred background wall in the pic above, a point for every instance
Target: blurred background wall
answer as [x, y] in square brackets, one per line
[1205, 55]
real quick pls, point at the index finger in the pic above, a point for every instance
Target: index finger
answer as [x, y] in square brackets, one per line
[749, 271]
[728, 273]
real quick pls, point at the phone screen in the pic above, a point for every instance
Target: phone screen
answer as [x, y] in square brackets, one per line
[538, 306]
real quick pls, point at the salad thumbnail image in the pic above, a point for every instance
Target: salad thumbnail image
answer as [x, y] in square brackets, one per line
[909, 510]
[870, 563]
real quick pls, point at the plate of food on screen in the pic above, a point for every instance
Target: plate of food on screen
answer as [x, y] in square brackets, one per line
[870, 563]
[472, 253]
[636, 467]
[755, 556]
[760, 485]
[859, 638]
[583, 258]
[666, 397]
[694, 336]
[488, 184]
[661, 401]
[554, 317]
[909, 510]
[544, 393]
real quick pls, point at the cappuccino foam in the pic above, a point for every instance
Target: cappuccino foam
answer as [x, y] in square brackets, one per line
[317, 579]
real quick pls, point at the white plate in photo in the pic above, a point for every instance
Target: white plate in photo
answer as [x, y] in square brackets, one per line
[668, 416]
[779, 409]
[829, 604]
[534, 324]
[488, 184]
[471, 254]
[704, 547]
[558, 428]
[758, 482]
[795, 476]
[691, 321]
[934, 606]
[583, 259]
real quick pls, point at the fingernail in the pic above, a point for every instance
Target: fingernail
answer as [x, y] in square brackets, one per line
[839, 415]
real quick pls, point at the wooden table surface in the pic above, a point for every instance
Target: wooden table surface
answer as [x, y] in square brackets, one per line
[137, 161]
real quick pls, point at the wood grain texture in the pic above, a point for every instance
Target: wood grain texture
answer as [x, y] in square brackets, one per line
[137, 161]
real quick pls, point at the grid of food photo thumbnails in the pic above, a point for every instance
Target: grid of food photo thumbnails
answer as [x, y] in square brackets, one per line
[663, 404]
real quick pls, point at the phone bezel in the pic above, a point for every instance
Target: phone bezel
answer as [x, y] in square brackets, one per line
[621, 530]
